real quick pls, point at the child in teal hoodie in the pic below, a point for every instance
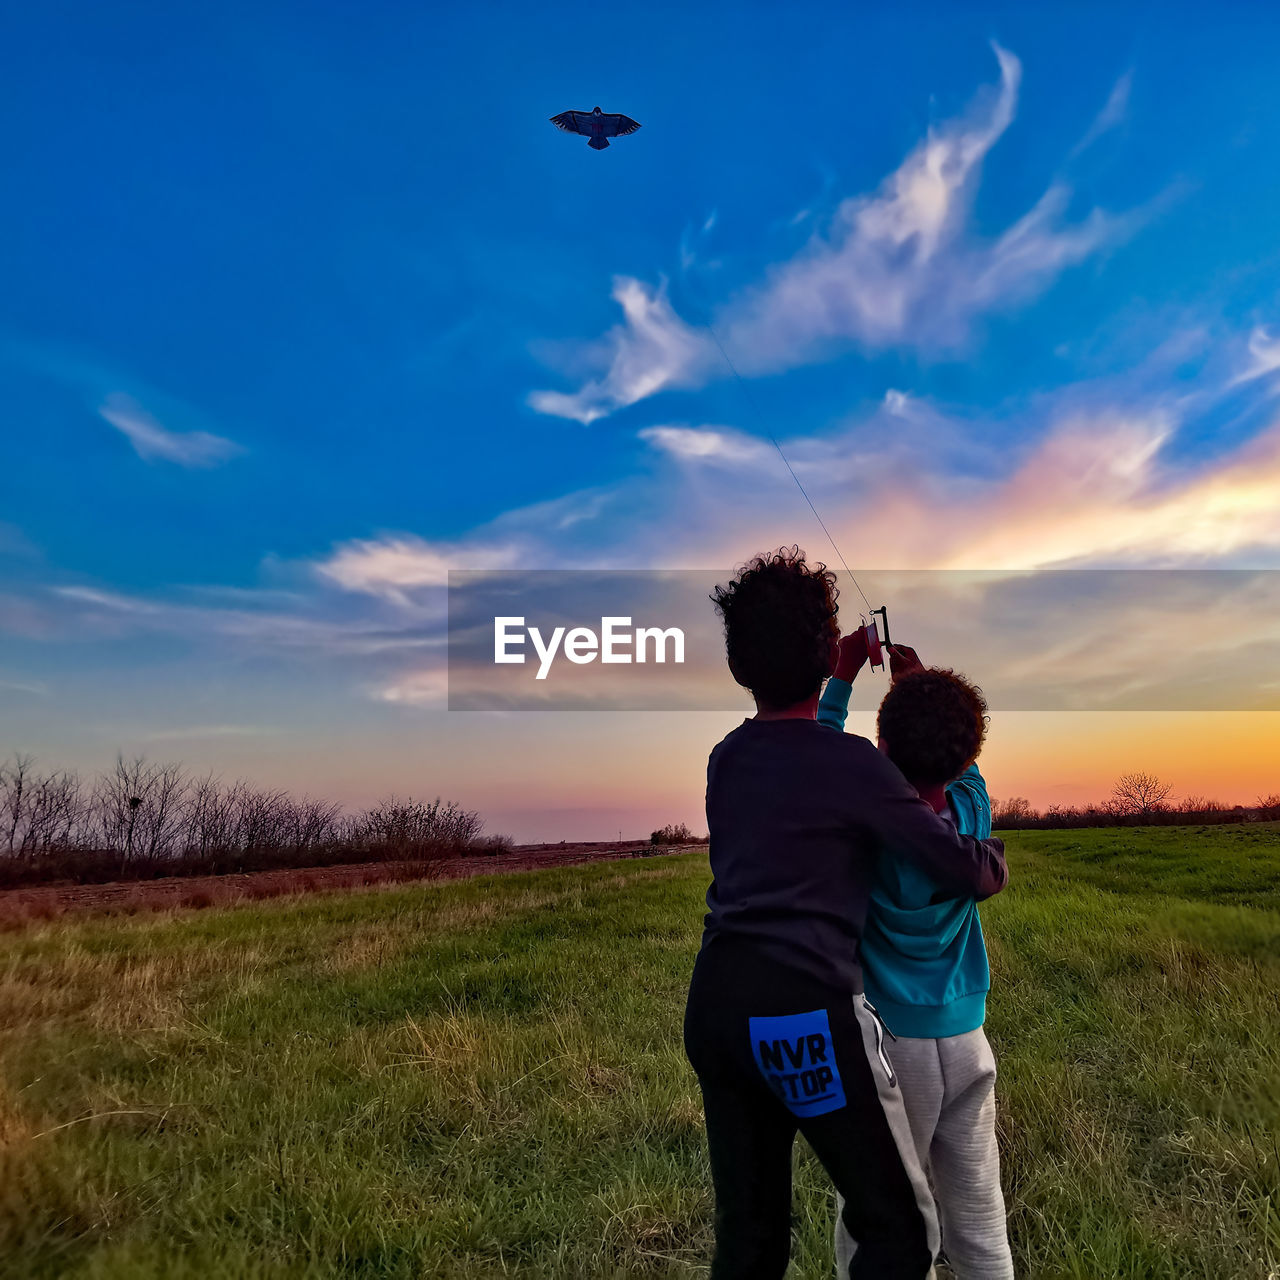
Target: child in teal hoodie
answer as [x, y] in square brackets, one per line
[925, 962]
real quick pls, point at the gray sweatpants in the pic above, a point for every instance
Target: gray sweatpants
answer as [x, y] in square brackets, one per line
[948, 1089]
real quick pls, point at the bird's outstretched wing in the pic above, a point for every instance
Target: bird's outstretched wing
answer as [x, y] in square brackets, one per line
[616, 126]
[572, 121]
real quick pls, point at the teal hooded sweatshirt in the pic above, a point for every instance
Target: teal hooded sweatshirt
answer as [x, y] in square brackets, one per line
[924, 962]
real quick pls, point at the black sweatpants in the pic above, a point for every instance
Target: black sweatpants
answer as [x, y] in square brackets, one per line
[776, 1053]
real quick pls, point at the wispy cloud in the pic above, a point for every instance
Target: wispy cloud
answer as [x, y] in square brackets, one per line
[1264, 356]
[899, 267]
[200, 731]
[155, 443]
[426, 687]
[688, 246]
[709, 444]
[34, 688]
[652, 349]
[396, 566]
[1113, 113]
[272, 630]
[403, 570]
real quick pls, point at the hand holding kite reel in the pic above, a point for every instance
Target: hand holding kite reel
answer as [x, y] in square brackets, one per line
[876, 644]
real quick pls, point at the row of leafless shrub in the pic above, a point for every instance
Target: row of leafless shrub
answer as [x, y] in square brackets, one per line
[1137, 799]
[142, 819]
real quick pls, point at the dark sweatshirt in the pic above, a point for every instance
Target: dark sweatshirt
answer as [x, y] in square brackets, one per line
[798, 814]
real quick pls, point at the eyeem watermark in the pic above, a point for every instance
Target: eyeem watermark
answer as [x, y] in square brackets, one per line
[1051, 640]
[615, 642]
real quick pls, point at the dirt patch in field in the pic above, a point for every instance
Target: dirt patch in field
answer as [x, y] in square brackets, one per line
[48, 902]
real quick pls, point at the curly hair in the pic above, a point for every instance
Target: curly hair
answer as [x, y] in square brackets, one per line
[779, 624]
[932, 724]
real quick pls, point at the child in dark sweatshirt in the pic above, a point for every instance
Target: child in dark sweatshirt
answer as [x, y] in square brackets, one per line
[924, 961]
[776, 1027]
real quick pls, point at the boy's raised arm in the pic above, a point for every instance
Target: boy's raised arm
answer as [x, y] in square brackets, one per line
[890, 807]
[833, 708]
[970, 802]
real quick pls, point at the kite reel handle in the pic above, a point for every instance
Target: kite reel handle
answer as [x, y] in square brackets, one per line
[875, 643]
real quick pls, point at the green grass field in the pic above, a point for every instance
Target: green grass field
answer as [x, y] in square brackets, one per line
[485, 1078]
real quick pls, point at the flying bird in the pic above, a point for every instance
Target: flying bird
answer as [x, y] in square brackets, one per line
[596, 126]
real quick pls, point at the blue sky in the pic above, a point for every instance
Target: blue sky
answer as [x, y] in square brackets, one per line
[303, 305]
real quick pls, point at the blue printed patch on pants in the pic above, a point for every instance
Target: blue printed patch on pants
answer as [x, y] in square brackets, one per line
[797, 1058]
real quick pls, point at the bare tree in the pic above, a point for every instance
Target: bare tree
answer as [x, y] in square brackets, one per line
[1014, 812]
[262, 818]
[14, 780]
[1139, 794]
[37, 812]
[314, 823]
[672, 833]
[124, 804]
[206, 819]
[54, 814]
[162, 812]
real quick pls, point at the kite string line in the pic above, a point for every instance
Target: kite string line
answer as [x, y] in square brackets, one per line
[774, 441]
